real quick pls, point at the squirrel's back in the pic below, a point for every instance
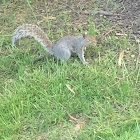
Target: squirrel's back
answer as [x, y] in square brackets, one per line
[31, 30]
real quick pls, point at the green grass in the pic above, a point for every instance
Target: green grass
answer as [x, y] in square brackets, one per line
[35, 101]
[34, 97]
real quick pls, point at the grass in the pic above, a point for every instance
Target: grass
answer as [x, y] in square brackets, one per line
[36, 103]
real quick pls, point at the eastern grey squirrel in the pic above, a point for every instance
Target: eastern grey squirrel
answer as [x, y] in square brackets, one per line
[62, 49]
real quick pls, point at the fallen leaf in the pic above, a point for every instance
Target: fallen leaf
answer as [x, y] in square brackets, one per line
[79, 126]
[70, 89]
[45, 18]
[94, 131]
[132, 55]
[120, 58]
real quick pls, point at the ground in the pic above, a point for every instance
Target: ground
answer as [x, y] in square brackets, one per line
[127, 16]
[58, 100]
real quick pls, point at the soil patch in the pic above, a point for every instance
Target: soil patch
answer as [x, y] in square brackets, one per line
[127, 16]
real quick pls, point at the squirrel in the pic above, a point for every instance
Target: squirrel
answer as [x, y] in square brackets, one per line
[63, 48]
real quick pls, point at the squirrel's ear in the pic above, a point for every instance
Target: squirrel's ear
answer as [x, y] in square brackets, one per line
[84, 35]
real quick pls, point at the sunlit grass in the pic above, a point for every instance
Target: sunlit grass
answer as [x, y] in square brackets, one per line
[35, 101]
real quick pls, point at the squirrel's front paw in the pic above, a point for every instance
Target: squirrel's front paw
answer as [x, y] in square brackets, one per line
[85, 63]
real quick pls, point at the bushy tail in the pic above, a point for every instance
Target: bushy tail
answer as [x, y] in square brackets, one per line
[30, 30]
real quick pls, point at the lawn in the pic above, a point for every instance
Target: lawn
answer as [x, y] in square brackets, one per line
[56, 100]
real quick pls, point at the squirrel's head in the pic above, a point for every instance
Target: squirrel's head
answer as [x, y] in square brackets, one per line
[89, 39]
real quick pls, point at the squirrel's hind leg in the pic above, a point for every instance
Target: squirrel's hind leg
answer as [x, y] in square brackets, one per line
[62, 53]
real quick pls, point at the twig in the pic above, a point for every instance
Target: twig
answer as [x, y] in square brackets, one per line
[120, 58]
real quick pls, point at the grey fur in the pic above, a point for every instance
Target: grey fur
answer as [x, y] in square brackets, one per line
[61, 50]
